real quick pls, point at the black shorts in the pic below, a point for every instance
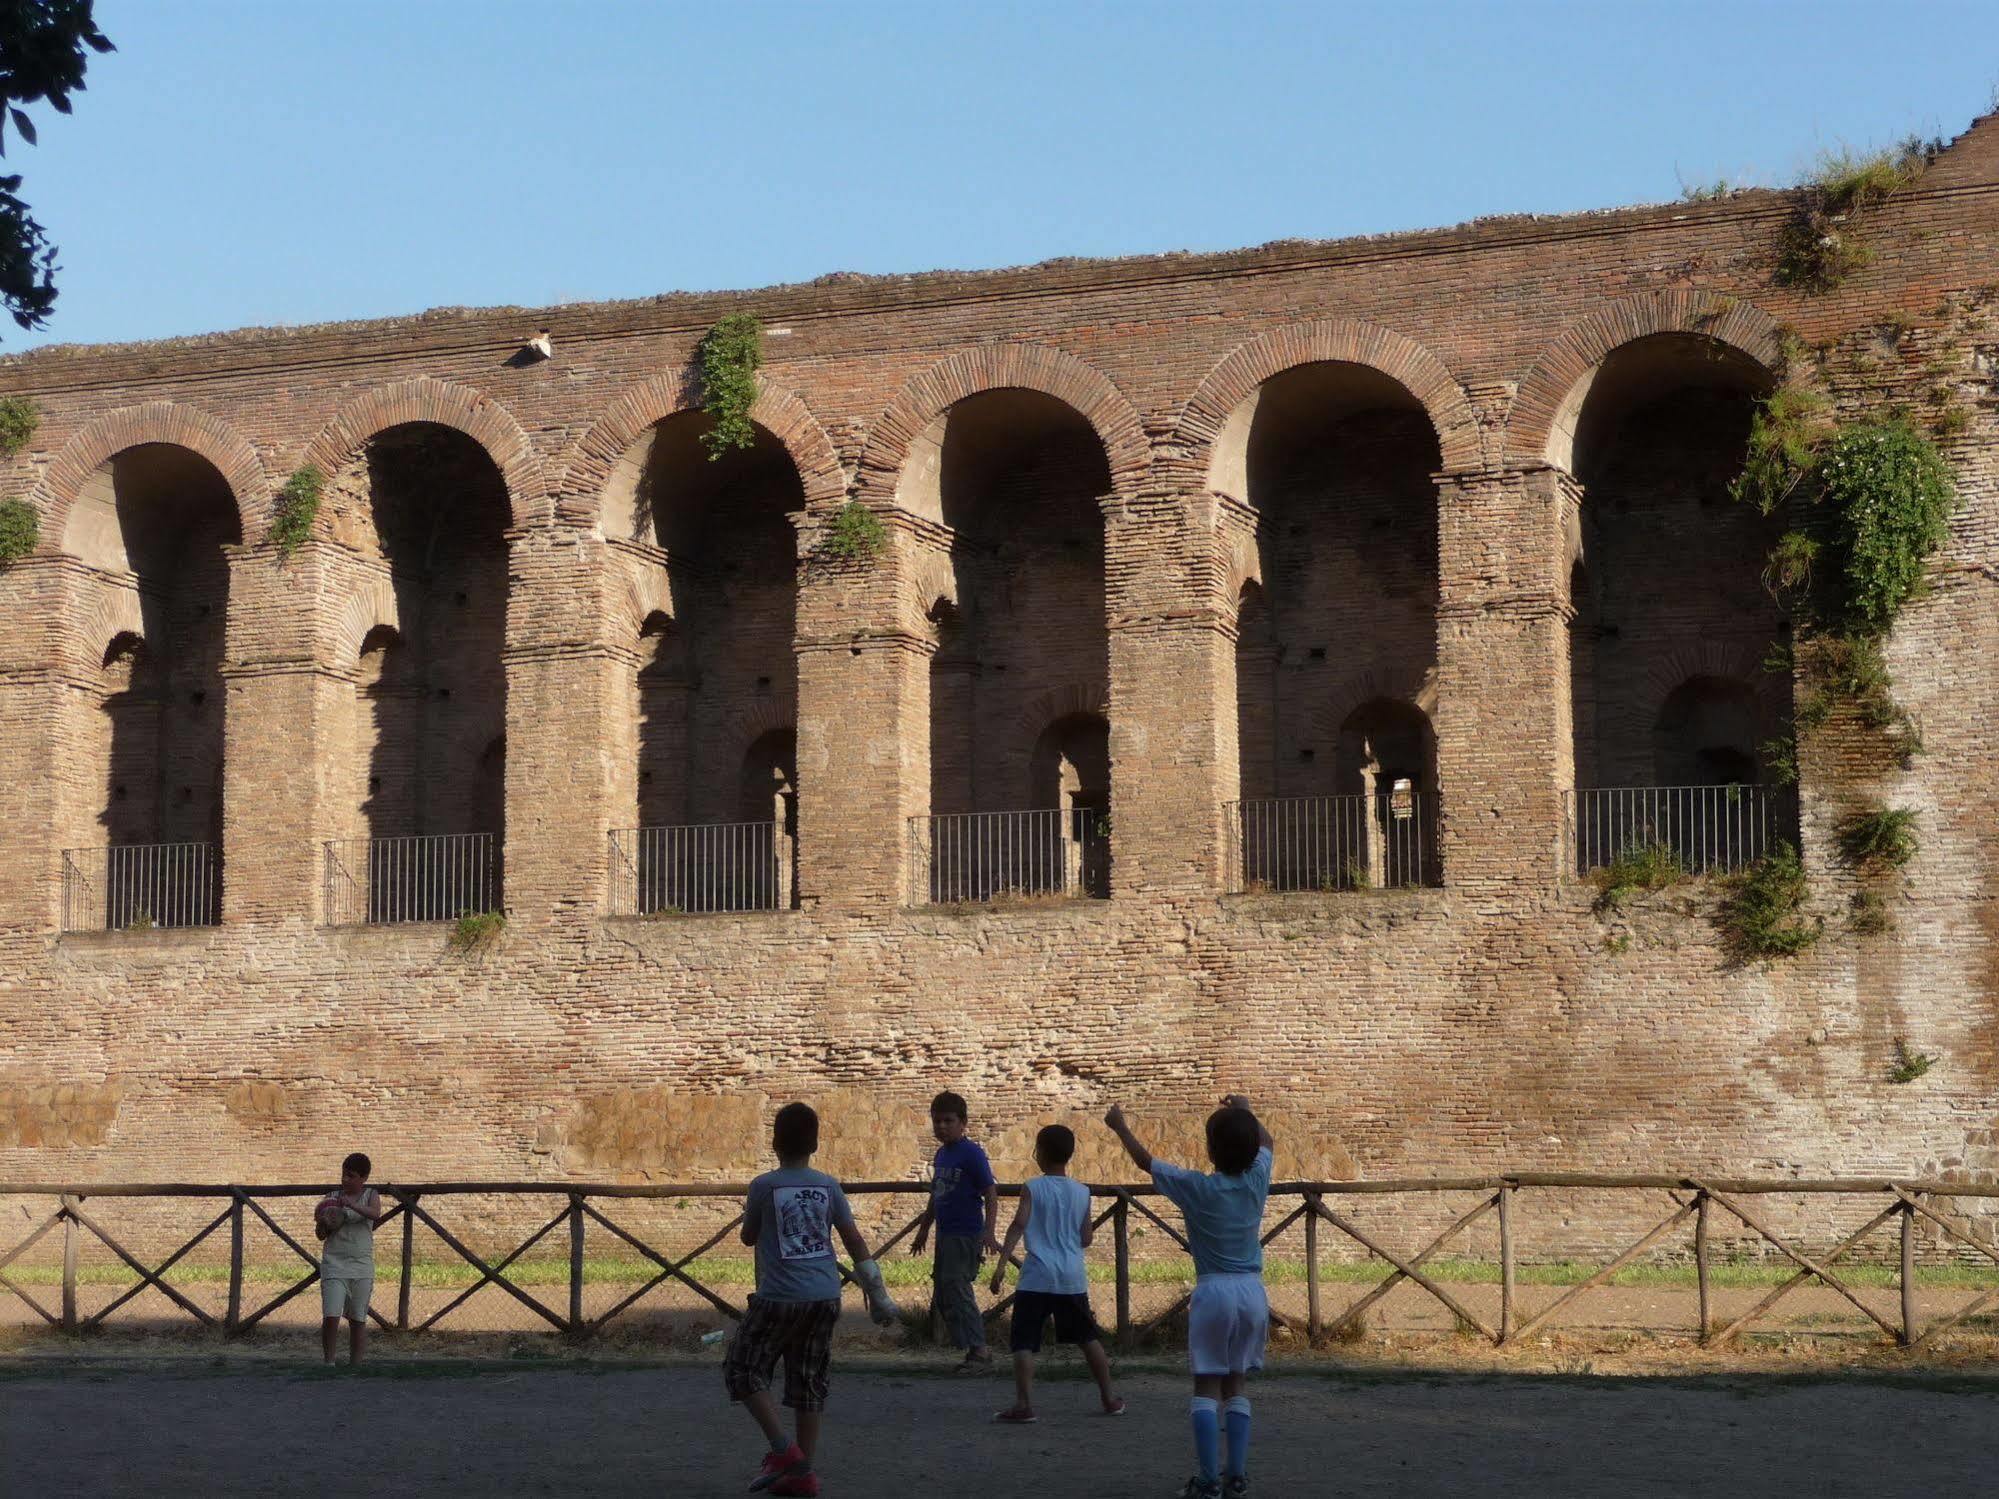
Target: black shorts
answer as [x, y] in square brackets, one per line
[800, 1333]
[1073, 1321]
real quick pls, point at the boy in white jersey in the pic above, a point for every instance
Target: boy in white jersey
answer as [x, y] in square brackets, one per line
[791, 1216]
[1228, 1318]
[347, 1262]
[1054, 1216]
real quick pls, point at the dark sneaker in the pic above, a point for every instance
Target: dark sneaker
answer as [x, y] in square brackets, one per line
[1236, 1487]
[1202, 1488]
[776, 1466]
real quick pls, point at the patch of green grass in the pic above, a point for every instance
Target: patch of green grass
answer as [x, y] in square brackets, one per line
[477, 929]
[1644, 867]
[1763, 915]
[1880, 838]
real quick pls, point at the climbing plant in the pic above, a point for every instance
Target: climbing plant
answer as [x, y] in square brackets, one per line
[20, 530]
[1763, 914]
[296, 508]
[18, 420]
[729, 356]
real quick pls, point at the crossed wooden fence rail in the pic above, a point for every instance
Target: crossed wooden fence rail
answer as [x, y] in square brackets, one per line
[1696, 1198]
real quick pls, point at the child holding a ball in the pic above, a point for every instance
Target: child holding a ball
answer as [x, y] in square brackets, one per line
[345, 1222]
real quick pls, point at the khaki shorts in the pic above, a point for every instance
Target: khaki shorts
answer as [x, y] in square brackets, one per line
[345, 1296]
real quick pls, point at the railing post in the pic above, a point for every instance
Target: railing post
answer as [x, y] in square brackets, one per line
[408, 1257]
[234, 1317]
[1312, 1323]
[1908, 1275]
[1505, 1201]
[576, 1328]
[68, 1264]
[1121, 1236]
[1700, 1259]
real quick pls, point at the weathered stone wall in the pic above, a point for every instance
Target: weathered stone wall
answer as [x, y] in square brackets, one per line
[1494, 1021]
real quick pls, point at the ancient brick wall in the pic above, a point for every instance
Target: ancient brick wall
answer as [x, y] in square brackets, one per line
[1467, 443]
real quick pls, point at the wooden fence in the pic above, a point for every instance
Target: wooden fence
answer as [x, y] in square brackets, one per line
[583, 1210]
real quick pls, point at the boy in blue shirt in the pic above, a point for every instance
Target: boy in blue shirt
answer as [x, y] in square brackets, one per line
[1229, 1316]
[791, 1216]
[964, 1206]
[1054, 1216]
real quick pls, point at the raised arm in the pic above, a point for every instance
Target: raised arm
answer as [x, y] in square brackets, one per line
[1140, 1156]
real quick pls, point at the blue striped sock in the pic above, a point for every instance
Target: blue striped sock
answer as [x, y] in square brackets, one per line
[1236, 1414]
[1207, 1435]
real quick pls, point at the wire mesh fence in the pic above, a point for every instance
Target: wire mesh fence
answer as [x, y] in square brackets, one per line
[137, 885]
[1384, 840]
[987, 856]
[1705, 829]
[1499, 1258]
[435, 877]
[702, 868]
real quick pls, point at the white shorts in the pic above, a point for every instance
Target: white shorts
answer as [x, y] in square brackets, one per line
[345, 1296]
[1227, 1323]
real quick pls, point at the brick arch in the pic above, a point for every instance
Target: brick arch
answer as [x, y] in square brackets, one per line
[1006, 366]
[1330, 341]
[479, 417]
[171, 422]
[747, 725]
[371, 603]
[1244, 566]
[1058, 703]
[1709, 658]
[646, 593]
[782, 413]
[1547, 398]
[113, 612]
[1406, 685]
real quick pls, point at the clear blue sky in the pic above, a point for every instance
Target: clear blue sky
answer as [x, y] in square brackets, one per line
[272, 161]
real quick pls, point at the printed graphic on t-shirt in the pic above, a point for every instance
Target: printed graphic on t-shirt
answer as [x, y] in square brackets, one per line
[803, 1215]
[944, 1183]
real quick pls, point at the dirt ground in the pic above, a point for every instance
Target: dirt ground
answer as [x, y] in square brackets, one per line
[93, 1427]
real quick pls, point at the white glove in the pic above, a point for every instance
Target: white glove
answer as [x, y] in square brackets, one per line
[881, 1305]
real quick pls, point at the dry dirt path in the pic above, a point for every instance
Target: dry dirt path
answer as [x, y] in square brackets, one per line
[422, 1429]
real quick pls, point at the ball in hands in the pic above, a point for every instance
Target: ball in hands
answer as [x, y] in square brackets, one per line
[330, 1213]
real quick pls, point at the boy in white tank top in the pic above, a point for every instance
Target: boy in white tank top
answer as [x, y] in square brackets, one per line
[1054, 1216]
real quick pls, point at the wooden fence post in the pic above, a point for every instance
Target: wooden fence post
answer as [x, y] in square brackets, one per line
[68, 1265]
[576, 1327]
[1121, 1236]
[1505, 1200]
[1312, 1324]
[1700, 1260]
[409, 1255]
[1908, 1275]
[234, 1317]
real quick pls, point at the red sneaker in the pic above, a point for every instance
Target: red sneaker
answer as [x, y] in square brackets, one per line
[805, 1482]
[776, 1466]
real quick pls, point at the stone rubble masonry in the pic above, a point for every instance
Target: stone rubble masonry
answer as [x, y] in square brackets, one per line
[1495, 1021]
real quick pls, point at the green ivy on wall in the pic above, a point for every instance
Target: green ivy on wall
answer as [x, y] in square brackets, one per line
[730, 354]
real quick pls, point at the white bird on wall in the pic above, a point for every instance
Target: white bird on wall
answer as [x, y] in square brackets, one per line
[541, 346]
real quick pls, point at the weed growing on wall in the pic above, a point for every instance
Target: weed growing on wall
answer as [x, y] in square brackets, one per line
[18, 420]
[20, 530]
[1822, 244]
[730, 355]
[856, 535]
[1651, 866]
[1909, 1065]
[1763, 914]
[475, 930]
[1880, 838]
[296, 509]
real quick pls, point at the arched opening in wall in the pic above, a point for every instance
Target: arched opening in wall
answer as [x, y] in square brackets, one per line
[1070, 772]
[427, 509]
[1334, 464]
[1388, 761]
[143, 804]
[717, 536]
[1660, 431]
[1019, 478]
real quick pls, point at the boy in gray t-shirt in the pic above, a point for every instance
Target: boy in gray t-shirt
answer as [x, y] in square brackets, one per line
[792, 1215]
[347, 1260]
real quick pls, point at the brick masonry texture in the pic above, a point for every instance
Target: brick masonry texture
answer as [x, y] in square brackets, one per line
[1211, 506]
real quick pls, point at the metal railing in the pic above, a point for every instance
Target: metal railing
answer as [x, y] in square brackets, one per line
[702, 868]
[990, 856]
[610, 1268]
[1381, 841]
[434, 877]
[1707, 829]
[136, 886]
